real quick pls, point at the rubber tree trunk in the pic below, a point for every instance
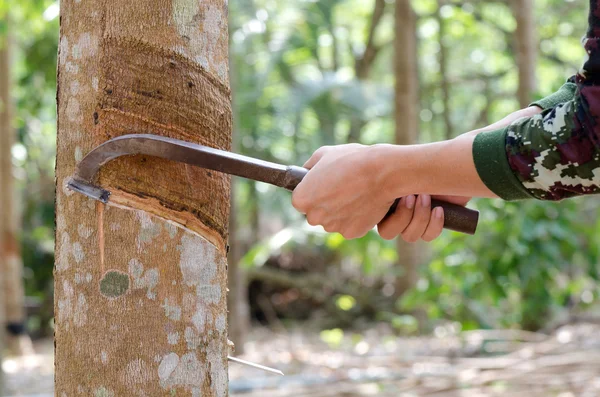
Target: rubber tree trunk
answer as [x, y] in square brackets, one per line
[17, 341]
[407, 122]
[526, 49]
[140, 297]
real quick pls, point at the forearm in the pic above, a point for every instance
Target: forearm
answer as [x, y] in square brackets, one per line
[441, 168]
[527, 112]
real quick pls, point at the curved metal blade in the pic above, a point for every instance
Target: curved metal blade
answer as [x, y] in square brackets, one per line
[181, 151]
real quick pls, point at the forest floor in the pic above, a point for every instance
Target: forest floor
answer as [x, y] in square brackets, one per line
[479, 363]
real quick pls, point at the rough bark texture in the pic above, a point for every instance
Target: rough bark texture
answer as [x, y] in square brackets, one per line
[10, 253]
[407, 122]
[526, 49]
[140, 287]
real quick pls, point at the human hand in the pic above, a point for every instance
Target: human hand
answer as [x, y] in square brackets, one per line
[344, 191]
[414, 218]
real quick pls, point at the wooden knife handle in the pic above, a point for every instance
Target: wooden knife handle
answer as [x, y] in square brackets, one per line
[456, 217]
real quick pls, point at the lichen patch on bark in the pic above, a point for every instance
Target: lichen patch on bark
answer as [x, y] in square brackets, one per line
[114, 284]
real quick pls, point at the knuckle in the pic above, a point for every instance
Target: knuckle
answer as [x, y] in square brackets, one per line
[348, 235]
[409, 238]
[330, 227]
[384, 233]
[299, 201]
[322, 150]
[428, 239]
[312, 220]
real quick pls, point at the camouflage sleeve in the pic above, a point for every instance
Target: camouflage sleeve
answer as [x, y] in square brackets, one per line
[564, 94]
[556, 154]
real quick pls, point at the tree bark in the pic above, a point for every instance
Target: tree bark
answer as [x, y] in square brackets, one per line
[363, 65]
[443, 61]
[17, 341]
[526, 49]
[140, 286]
[407, 122]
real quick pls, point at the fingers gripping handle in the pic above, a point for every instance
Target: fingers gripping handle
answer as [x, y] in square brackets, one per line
[456, 217]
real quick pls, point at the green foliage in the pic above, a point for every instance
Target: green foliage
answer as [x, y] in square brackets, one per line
[528, 262]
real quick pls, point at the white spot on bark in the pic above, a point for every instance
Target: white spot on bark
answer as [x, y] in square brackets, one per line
[115, 226]
[167, 366]
[197, 260]
[189, 302]
[78, 253]
[80, 317]
[221, 323]
[74, 86]
[86, 46]
[72, 68]
[141, 279]
[63, 50]
[104, 357]
[84, 231]
[171, 229]
[149, 230]
[80, 278]
[78, 154]
[65, 304]
[209, 293]
[199, 318]
[103, 392]
[191, 338]
[223, 71]
[62, 262]
[218, 367]
[184, 13]
[95, 83]
[73, 110]
[172, 312]
[173, 338]
[176, 372]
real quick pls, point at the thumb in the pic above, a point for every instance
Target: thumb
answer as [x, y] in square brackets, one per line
[316, 157]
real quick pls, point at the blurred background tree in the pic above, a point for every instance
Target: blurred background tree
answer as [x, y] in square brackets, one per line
[308, 73]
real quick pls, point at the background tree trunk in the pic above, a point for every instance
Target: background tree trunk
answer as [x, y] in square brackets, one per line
[17, 340]
[526, 49]
[141, 301]
[443, 61]
[239, 308]
[5, 163]
[407, 121]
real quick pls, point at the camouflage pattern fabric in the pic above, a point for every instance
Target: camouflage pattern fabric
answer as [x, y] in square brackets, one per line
[556, 154]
